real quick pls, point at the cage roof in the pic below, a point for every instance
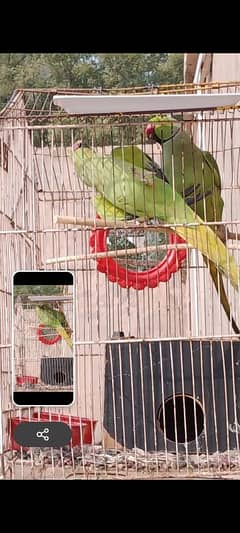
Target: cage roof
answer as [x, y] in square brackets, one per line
[107, 104]
[39, 104]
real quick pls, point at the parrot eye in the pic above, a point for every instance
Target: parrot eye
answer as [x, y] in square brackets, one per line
[149, 131]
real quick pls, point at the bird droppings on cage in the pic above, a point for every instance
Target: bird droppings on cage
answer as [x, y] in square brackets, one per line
[156, 345]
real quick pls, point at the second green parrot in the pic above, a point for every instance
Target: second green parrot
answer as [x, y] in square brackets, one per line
[194, 174]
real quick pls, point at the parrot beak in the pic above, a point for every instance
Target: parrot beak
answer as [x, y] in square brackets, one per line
[77, 145]
[149, 131]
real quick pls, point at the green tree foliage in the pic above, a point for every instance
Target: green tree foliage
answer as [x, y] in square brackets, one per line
[169, 71]
[87, 70]
[104, 71]
[129, 70]
[72, 70]
[21, 70]
[20, 291]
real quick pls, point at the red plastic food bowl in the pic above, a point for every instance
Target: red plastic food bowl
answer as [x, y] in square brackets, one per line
[75, 422]
[46, 339]
[162, 272]
[24, 380]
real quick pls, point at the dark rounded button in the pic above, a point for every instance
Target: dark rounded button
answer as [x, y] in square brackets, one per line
[42, 434]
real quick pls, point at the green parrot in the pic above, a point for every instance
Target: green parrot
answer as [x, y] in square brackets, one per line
[55, 319]
[144, 191]
[195, 175]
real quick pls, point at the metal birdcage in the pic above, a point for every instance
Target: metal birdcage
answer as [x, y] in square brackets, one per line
[157, 380]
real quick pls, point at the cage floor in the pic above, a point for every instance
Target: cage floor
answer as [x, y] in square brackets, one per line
[95, 462]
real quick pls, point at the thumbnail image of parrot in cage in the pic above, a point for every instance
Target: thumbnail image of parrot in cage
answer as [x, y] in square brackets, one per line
[51, 314]
[196, 177]
[143, 190]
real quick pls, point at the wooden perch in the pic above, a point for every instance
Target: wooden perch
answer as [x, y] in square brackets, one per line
[118, 253]
[116, 224]
[223, 232]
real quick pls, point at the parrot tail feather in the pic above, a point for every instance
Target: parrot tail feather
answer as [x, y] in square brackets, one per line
[219, 285]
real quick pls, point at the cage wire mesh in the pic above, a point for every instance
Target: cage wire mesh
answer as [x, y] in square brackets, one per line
[157, 358]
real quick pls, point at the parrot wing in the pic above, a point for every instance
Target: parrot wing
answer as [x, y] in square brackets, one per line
[139, 160]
